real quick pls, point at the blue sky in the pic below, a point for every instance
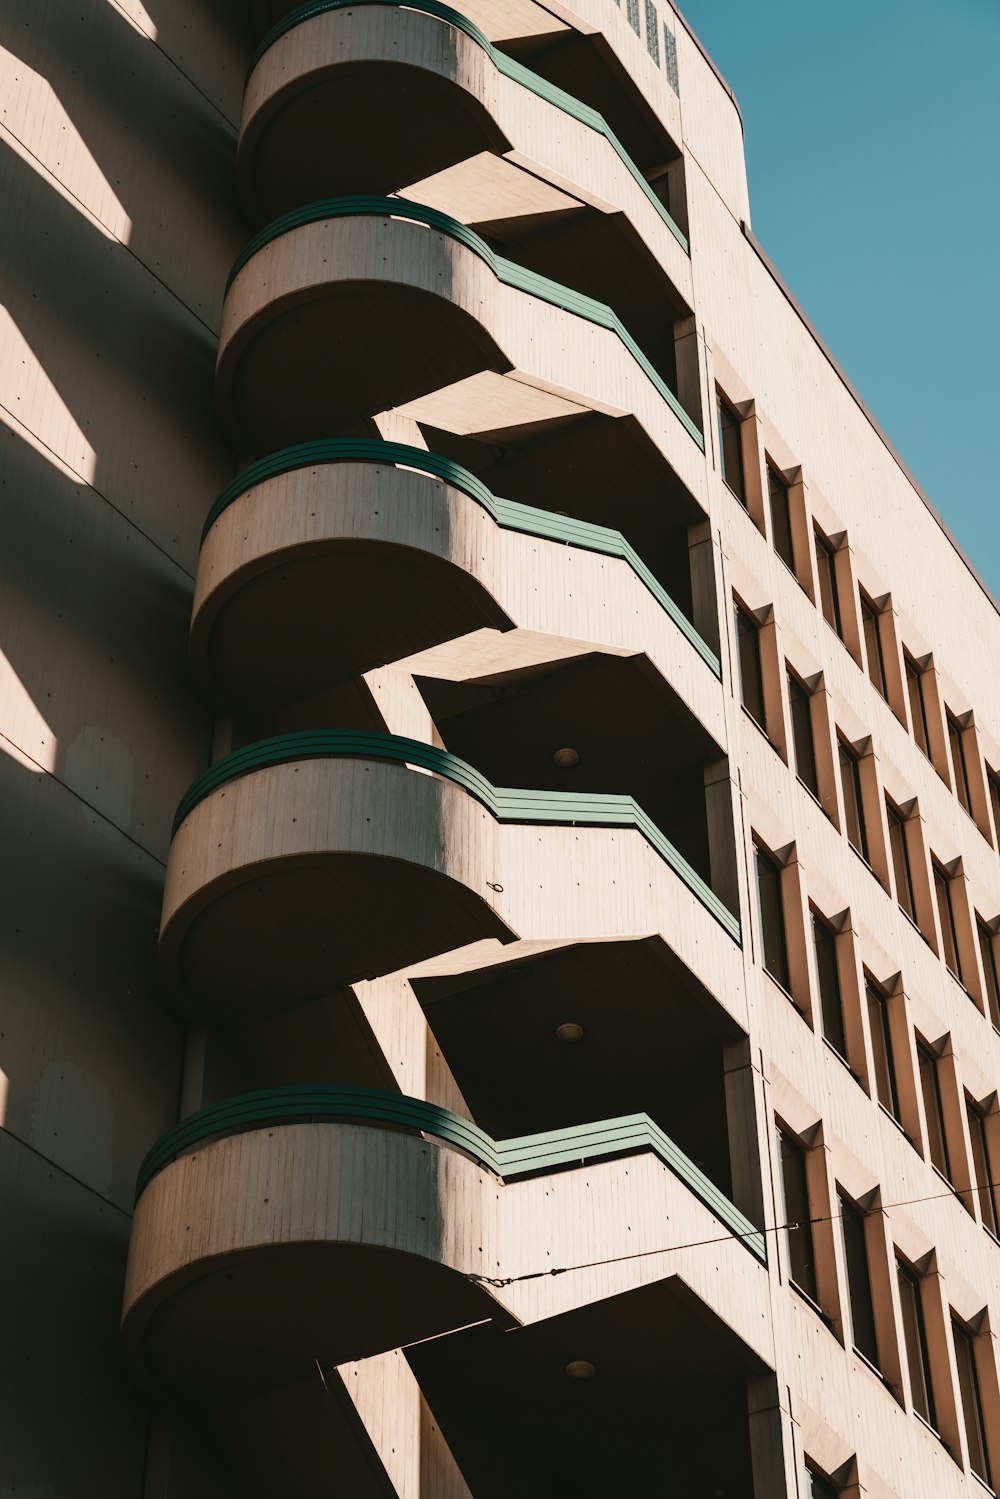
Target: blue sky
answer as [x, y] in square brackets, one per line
[873, 151]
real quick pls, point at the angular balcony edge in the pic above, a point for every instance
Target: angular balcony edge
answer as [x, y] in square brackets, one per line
[506, 272]
[508, 514]
[507, 1159]
[505, 804]
[505, 65]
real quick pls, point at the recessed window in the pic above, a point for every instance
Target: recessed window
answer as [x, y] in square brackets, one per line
[918, 710]
[991, 975]
[986, 1182]
[861, 1312]
[831, 1001]
[731, 448]
[915, 1338]
[873, 644]
[818, 1487]
[652, 32]
[748, 657]
[972, 1404]
[993, 781]
[781, 517]
[930, 1087]
[795, 1213]
[900, 860]
[854, 812]
[771, 916]
[802, 734]
[946, 915]
[632, 12]
[958, 764]
[885, 1068]
[827, 574]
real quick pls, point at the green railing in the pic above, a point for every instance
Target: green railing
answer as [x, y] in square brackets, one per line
[506, 271]
[508, 514]
[506, 804]
[508, 1159]
[515, 71]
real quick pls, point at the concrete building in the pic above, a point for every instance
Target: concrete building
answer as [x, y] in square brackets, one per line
[500, 791]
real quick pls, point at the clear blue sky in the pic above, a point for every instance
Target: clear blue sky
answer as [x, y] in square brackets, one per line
[873, 152]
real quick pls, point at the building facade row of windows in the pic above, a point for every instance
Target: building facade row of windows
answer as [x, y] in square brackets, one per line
[932, 890]
[893, 1312]
[914, 1079]
[908, 682]
[632, 15]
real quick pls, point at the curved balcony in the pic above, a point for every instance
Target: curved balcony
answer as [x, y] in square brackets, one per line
[354, 306]
[311, 860]
[298, 548]
[372, 1219]
[365, 70]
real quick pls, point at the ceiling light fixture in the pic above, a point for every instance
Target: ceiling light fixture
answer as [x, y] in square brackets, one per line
[566, 758]
[569, 1031]
[580, 1368]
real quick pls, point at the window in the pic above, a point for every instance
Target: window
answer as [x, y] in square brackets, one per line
[781, 517]
[830, 998]
[958, 763]
[731, 448]
[860, 1311]
[900, 860]
[652, 32]
[915, 1338]
[854, 812]
[930, 1087]
[818, 1487]
[827, 573]
[918, 713]
[946, 913]
[748, 656]
[771, 916]
[991, 976]
[986, 1183]
[873, 644]
[795, 1213]
[993, 781]
[972, 1404]
[802, 734]
[885, 1069]
[670, 54]
[632, 12]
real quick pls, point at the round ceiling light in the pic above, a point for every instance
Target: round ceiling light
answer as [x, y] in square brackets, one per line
[566, 758]
[580, 1368]
[569, 1031]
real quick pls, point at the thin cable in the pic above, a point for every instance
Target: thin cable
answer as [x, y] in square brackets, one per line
[499, 1282]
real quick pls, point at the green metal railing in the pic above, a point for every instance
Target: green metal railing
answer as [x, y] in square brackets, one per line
[511, 69]
[506, 271]
[508, 1159]
[563, 808]
[507, 513]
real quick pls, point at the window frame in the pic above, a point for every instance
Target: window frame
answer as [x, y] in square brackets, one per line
[752, 631]
[959, 766]
[993, 791]
[986, 1187]
[991, 969]
[763, 855]
[870, 616]
[917, 1357]
[965, 1363]
[914, 679]
[820, 924]
[855, 1249]
[800, 697]
[826, 566]
[845, 752]
[725, 407]
[791, 1148]
[820, 1487]
[930, 1092]
[883, 1055]
[777, 481]
[946, 917]
[896, 822]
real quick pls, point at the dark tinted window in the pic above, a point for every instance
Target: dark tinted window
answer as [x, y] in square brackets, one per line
[802, 734]
[930, 1087]
[958, 763]
[991, 975]
[748, 655]
[900, 860]
[986, 1182]
[972, 1404]
[731, 449]
[795, 1210]
[817, 1487]
[781, 517]
[993, 781]
[918, 713]
[826, 571]
[772, 916]
[854, 812]
[915, 1338]
[831, 1000]
[885, 1071]
[859, 1288]
[946, 914]
[873, 644]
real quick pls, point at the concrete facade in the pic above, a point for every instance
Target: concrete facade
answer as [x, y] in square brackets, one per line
[501, 791]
